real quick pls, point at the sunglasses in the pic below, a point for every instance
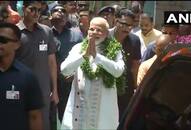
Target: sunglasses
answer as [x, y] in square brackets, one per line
[59, 10]
[5, 40]
[124, 24]
[34, 9]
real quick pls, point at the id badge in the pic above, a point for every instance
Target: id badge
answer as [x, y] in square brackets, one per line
[43, 47]
[12, 95]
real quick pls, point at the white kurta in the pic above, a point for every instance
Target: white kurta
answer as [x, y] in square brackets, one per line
[90, 104]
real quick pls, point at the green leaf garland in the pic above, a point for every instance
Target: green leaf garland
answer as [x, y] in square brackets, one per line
[110, 48]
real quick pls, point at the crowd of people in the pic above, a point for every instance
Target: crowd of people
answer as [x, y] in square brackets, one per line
[84, 66]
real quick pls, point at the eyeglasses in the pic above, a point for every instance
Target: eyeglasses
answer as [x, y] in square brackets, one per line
[169, 33]
[59, 10]
[124, 24]
[34, 9]
[5, 40]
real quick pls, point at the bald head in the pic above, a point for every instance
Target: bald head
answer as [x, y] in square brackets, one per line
[161, 42]
[99, 21]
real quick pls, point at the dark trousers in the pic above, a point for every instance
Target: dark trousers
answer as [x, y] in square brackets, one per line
[123, 101]
[64, 89]
[53, 116]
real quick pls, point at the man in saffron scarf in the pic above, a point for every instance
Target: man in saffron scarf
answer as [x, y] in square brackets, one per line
[96, 63]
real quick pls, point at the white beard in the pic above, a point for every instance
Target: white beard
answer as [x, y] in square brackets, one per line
[98, 41]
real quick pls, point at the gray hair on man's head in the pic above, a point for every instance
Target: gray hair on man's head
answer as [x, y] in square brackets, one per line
[100, 20]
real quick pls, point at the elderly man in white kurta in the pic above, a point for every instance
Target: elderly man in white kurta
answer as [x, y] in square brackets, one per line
[96, 63]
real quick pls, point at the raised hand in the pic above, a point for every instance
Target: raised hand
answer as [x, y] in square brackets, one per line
[91, 49]
[87, 53]
[92, 46]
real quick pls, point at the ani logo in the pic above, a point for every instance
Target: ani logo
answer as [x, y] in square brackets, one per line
[177, 17]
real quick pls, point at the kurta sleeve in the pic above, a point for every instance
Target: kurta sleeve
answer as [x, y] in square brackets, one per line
[115, 68]
[72, 62]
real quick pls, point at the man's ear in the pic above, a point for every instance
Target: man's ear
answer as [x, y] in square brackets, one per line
[50, 17]
[153, 25]
[17, 45]
[107, 32]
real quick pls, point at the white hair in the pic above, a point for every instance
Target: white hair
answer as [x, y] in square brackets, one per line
[100, 20]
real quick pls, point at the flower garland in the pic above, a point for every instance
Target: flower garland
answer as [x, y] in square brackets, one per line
[185, 39]
[110, 49]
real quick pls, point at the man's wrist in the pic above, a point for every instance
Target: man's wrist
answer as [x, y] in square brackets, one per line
[85, 56]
